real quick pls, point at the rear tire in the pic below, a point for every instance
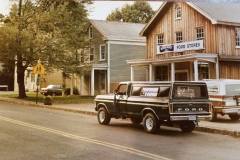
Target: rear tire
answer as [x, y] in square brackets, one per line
[150, 123]
[136, 121]
[103, 116]
[234, 117]
[187, 127]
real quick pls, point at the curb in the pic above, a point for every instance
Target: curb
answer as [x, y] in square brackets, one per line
[199, 128]
[218, 131]
[30, 104]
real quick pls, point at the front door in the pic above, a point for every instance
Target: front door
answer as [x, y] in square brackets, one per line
[181, 76]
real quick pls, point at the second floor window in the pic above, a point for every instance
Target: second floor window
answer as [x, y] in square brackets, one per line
[102, 52]
[91, 54]
[200, 33]
[160, 39]
[179, 37]
[238, 37]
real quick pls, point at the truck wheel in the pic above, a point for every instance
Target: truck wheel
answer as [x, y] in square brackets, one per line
[234, 117]
[187, 127]
[136, 121]
[103, 116]
[150, 123]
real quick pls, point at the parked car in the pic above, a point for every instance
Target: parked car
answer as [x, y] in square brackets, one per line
[155, 104]
[52, 90]
[225, 97]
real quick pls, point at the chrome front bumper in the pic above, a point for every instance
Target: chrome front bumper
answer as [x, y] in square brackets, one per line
[189, 117]
[231, 111]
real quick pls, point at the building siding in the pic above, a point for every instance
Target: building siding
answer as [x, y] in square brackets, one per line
[119, 69]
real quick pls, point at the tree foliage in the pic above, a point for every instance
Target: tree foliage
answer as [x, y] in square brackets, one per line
[139, 12]
[49, 30]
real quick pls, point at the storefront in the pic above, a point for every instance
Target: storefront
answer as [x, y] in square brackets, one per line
[185, 42]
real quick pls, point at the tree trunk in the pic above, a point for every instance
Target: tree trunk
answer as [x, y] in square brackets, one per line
[20, 80]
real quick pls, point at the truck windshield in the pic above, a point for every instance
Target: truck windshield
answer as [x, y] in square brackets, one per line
[190, 91]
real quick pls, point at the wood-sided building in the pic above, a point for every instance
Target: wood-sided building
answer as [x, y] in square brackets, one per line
[191, 41]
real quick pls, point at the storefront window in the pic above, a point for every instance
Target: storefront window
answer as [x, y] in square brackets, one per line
[161, 73]
[203, 69]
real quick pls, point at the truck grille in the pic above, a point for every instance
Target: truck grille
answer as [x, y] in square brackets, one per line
[191, 108]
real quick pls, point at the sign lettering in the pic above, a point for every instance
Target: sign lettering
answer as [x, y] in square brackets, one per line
[180, 47]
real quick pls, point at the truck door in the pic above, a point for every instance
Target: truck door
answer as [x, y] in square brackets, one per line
[121, 98]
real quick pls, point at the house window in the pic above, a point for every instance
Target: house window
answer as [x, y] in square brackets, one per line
[102, 52]
[90, 33]
[179, 37]
[200, 33]
[160, 39]
[91, 55]
[178, 12]
[238, 37]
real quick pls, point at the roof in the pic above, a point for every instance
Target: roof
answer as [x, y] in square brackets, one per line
[119, 30]
[216, 12]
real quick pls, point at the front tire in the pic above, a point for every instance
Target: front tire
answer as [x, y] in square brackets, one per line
[234, 117]
[187, 127]
[103, 116]
[150, 123]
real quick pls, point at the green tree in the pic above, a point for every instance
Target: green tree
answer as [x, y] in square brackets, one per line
[49, 30]
[139, 12]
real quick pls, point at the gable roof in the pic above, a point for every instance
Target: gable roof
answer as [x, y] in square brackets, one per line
[217, 13]
[120, 31]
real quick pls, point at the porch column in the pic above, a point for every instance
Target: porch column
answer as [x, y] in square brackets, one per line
[132, 73]
[217, 69]
[172, 71]
[92, 82]
[195, 64]
[150, 72]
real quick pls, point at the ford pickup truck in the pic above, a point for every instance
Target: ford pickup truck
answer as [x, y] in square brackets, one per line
[156, 103]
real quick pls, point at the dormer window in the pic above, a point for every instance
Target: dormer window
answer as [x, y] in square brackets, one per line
[238, 37]
[90, 32]
[178, 10]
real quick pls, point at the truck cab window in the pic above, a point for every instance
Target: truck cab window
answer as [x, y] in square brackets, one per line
[164, 92]
[122, 89]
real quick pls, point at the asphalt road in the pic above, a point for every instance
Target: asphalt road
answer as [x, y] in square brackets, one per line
[28, 133]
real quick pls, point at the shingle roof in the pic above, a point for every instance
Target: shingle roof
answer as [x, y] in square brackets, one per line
[221, 12]
[119, 30]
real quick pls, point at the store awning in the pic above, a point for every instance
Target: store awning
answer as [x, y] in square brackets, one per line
[204, 57]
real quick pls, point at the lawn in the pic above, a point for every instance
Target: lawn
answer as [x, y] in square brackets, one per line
[74, 99]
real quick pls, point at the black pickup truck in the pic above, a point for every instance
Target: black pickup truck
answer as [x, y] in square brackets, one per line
[156, 103]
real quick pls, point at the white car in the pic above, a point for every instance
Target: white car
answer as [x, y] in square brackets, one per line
[225, 97]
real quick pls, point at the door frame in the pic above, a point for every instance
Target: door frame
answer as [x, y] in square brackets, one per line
[182, 71]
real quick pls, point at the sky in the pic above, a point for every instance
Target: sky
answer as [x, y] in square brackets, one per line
[98, 10]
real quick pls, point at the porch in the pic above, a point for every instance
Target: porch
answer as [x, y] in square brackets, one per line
[191, 67]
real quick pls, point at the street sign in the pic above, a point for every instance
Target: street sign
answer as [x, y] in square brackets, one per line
[39, 69]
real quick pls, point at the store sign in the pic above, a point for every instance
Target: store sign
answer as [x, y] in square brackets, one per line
[180, 47]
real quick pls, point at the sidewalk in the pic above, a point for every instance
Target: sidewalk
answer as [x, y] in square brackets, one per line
[223, 126]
